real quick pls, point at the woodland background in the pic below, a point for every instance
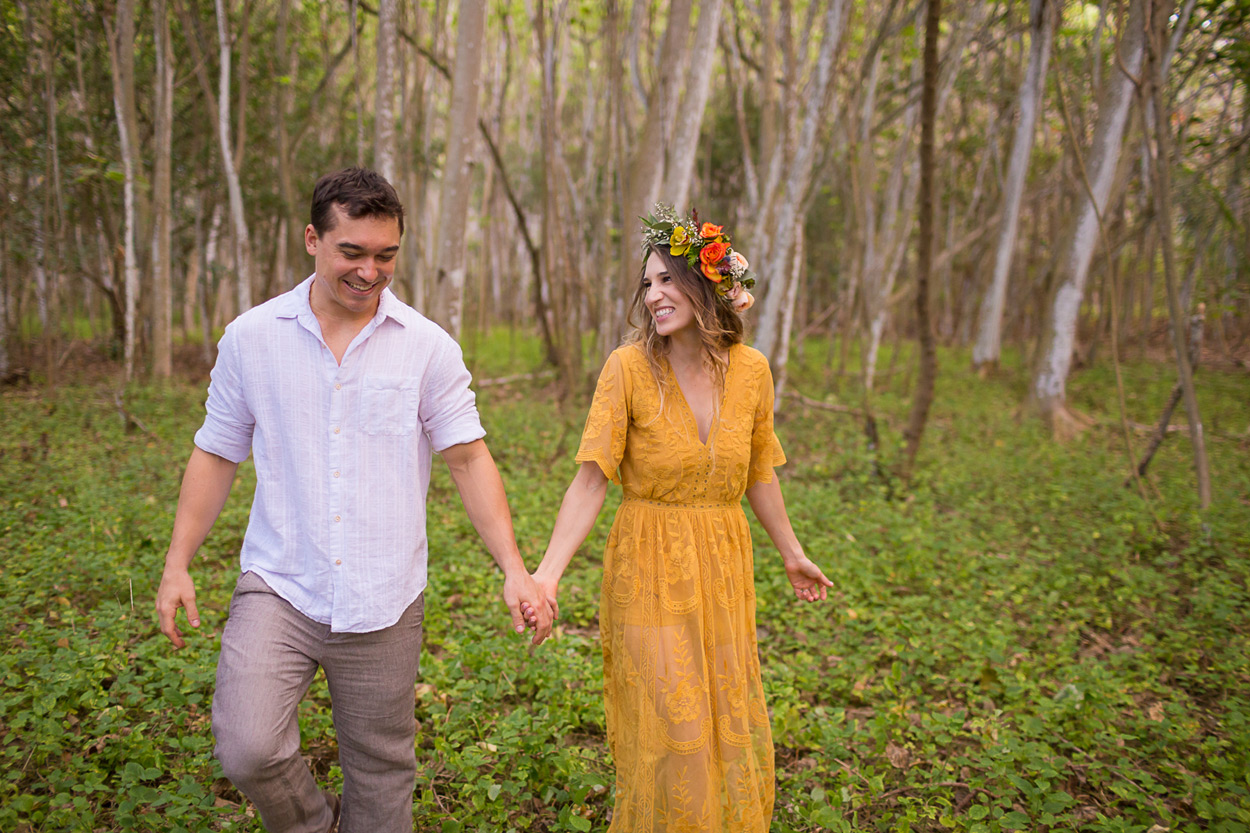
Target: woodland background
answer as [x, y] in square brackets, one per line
[1003, 251]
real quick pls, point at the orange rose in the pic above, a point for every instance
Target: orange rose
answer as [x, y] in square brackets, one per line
[712, 253]
[710, 232]
[711, 273]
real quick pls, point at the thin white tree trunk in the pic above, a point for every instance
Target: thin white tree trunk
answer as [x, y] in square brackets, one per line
[641, 185]
[356, 85]
[461, 133]
[775, 238]
[899, 213]
[289, 53]
[242, 260]
[208, 282]
[782, 364]
[384, 109]
[40, 266]
[887, 236]
[162, 295]
[1043, 17]
[1049, 387]
[680, 171]
[121, 52]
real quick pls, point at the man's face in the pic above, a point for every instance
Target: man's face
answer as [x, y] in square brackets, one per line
[355, 261]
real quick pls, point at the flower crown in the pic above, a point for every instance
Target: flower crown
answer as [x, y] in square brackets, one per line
[705, 247]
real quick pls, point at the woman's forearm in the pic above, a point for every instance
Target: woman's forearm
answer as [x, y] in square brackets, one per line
[578, 511]
[770, 508]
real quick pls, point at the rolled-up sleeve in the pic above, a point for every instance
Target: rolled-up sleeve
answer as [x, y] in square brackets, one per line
[448, 409]
[228, 423]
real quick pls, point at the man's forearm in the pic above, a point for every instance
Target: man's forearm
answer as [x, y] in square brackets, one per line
[481, 490]
[205, 487]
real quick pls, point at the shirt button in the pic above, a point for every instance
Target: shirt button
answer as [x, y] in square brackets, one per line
[336, 474]
[337, 519]
[336, 429]
[338, 387]
[338, 561]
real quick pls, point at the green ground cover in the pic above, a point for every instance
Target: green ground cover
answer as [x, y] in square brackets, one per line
[1015, 641]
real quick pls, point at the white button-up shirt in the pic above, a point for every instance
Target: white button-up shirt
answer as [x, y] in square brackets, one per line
[342, 452]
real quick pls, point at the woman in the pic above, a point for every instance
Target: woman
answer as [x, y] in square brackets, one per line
[682, 418]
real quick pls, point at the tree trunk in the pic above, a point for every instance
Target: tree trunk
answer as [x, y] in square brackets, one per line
[1048, 390]
[617, 153]
[641, 181]
[242, 256]
[1043, 19]
[774, 236]
[928, 349]
[898, 214]
[885, 231]
[162, 295]
[1162, 159]
[356, 85]
[563, 296]
[50, 223]
[245, 55]
[686, 131]
[4, 314]
[287, 52]
[781, 365]
[449, 273]
[121, 38]
[384, 109]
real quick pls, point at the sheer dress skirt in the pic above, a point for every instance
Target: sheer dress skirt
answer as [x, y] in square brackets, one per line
[687, 723]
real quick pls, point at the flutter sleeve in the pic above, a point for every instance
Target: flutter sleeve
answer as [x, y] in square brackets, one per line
[766, 453]
[603, 438]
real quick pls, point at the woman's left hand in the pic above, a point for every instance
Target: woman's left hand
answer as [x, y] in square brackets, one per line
[809, 583]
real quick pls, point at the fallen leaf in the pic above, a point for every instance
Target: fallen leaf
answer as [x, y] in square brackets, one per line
[898, 756]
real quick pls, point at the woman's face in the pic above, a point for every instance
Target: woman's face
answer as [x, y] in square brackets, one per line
[668, 306]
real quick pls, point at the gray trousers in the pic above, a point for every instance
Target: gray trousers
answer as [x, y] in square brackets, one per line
[269, 654]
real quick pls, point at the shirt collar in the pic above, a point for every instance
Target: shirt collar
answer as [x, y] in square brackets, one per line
[296, 304]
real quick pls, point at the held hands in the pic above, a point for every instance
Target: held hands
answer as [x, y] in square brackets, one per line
[176, 590]
[528, 605]
[809, 583]
[549, 587]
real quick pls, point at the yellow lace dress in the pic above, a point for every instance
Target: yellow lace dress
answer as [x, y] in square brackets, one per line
[687, 724]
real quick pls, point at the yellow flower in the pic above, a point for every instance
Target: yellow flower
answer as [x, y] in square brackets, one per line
[679, 242]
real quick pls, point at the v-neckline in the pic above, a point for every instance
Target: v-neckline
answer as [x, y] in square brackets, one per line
[715, 421]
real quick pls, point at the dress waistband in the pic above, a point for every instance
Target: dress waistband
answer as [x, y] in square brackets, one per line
[672, 504]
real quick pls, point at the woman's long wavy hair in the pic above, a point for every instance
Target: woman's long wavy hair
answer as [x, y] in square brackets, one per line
[719, 326]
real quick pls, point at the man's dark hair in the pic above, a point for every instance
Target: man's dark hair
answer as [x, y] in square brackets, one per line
[360, 192]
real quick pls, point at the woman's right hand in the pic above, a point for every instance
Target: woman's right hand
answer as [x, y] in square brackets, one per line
[550, 585]
[809, 583]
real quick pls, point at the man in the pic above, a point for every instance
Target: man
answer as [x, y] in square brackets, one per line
[341, 392]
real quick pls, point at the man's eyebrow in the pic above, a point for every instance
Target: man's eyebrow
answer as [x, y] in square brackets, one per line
[356, 247]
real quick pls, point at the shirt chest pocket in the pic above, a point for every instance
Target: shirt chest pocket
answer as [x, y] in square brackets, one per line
[388, 406]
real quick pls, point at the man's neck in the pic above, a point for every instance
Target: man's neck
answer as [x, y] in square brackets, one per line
[338, 326]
